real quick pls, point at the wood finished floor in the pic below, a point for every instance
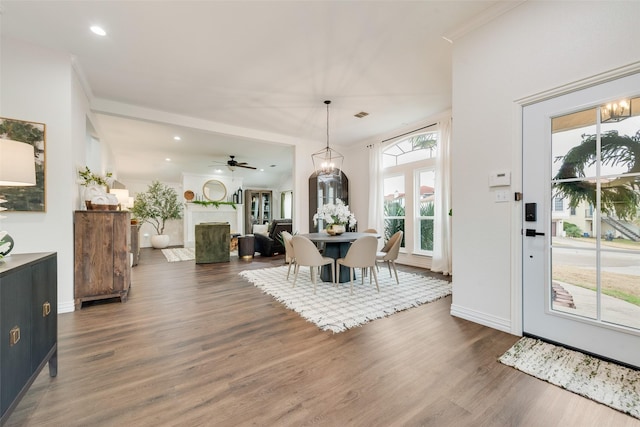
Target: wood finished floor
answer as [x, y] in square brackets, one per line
[198, 345]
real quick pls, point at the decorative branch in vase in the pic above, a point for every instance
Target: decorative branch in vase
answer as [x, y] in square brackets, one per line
[155, 206]
[96, 186]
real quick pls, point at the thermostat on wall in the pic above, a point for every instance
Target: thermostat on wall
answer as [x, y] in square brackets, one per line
[499, 178]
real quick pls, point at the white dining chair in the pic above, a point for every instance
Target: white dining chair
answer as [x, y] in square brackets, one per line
[361, 254]
[307, 255]
[389, 253]
[289, 253]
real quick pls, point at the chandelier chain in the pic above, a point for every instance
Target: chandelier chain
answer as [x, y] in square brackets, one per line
[327, 103]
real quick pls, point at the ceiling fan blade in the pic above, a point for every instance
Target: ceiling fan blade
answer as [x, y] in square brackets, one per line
[233, 163]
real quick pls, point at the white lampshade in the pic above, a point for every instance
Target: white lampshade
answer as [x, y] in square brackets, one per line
[122, 194]
[17, 164]
[129, 203]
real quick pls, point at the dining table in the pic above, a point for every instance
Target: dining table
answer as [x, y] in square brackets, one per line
[336, 246]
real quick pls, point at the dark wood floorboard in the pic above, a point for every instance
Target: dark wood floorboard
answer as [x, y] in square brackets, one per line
[198, 345]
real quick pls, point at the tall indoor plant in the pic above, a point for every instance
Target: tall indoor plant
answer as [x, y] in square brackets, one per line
[155, 206]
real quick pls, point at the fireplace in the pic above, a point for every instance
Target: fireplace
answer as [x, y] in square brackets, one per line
[197, 214]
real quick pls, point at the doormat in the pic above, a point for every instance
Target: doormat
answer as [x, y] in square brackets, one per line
[334, 308]
[179, 254]
[605, 382]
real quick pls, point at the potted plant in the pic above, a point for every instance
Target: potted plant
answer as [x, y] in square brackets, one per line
[155, 206]
[95, 185]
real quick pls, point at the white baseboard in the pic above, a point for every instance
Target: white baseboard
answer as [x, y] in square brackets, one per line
[66, 307]
[494, 322]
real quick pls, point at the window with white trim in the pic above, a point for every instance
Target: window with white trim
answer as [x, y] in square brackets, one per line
[409, 190]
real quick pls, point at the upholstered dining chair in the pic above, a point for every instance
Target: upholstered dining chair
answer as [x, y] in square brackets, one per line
[368, 230]
[361, 254]
[389, 253]
[289, 257]
[307, 255]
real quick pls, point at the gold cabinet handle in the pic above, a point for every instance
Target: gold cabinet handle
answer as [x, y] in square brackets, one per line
[46, 309]
[14, 336]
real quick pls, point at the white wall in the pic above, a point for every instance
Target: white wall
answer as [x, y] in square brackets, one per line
[302, 170]
[535, 47]
[38, 85]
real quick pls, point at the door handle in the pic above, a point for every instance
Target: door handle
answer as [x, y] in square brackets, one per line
[533, 233]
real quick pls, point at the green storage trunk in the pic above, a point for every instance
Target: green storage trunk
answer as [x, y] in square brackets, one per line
[213, 240]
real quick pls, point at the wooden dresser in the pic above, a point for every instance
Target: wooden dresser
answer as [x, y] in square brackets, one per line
[28, 324]
[102, 261]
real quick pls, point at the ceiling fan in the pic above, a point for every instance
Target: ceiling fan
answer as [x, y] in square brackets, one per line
[233, 163]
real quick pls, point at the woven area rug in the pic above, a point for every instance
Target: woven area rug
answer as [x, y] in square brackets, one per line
[179, 254]
[335, 309]
[605, 382]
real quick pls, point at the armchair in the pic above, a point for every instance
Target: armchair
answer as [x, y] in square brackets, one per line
[271, 243]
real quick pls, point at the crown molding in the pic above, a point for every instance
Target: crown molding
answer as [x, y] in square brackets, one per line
[82, 77]
[614, 74]
[481, 19]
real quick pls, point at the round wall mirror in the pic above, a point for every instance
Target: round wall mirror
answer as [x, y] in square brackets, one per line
[214, 190]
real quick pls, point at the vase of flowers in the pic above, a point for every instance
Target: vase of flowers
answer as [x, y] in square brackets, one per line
[336, 217]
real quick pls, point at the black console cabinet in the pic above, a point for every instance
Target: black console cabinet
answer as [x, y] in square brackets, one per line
[28, 324]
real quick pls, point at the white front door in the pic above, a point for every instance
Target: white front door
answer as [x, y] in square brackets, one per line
[581, 225]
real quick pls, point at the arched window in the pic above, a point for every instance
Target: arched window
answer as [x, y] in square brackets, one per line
[409, 189]
[411, 149]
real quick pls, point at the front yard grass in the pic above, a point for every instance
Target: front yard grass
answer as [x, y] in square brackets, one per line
[622, 286]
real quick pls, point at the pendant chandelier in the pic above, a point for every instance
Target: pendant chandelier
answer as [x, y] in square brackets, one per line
[615, 111]
[327, 161]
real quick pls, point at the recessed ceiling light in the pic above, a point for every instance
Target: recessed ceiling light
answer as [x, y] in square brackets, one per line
[177, 138]
[261, 170]
[167, 159]
[98, 30]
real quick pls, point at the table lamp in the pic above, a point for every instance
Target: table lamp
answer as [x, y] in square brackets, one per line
[17, 169]
[122, 195]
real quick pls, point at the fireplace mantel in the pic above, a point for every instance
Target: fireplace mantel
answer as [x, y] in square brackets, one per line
[197, 214]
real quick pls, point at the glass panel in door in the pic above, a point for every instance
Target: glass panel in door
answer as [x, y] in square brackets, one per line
[596, 257]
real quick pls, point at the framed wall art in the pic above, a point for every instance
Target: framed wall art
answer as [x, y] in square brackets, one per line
[26, 199]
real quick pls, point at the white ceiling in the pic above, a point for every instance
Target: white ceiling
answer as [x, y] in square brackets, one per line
[248, 68]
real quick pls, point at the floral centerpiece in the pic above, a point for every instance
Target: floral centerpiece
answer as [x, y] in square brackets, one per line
[335, 216]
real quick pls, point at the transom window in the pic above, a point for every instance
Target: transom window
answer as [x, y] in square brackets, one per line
[412, 149]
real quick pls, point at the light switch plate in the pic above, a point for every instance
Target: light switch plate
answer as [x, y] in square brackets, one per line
[502, 196]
